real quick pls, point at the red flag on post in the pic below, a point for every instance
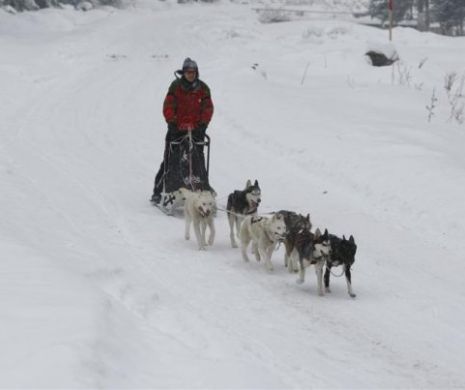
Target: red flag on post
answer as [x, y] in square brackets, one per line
[390, 5]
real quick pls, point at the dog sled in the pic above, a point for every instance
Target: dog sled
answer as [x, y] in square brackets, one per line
[186, 165]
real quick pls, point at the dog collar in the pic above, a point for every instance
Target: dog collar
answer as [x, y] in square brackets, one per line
[252, 211]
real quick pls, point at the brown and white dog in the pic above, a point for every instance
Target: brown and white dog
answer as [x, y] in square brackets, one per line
[295, 224]
[312, 249]
[200, 210]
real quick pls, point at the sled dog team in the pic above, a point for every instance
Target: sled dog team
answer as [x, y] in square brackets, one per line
[302, 247]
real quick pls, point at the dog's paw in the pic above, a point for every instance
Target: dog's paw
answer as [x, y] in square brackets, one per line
[352, 295]
[211, 241]
[202, 248]
[321, 293]
[299, 281]
[234, 245]
[328, 290]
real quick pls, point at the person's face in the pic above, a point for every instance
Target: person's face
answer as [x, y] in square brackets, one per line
[190, 75]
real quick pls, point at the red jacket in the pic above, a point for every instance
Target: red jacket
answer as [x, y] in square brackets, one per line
[188, 106]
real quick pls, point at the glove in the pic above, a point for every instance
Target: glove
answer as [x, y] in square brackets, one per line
[199, 132]
[202, 129]
[172, 127]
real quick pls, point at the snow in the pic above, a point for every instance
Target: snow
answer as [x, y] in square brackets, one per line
[100, 290]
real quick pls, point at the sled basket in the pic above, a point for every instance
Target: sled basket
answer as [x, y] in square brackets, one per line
[186, 165]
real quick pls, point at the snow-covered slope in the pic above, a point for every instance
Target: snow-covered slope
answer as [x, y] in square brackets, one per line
[99, 289]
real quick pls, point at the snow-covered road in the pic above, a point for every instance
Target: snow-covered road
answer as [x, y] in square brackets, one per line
[99, 289]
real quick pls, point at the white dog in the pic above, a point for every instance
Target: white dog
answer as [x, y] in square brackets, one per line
[265, 233]
[199, 209]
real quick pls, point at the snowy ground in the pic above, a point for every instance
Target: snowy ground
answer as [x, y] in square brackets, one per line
[100, 290]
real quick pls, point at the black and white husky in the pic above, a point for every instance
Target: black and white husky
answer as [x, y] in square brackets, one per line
[240, 204]
[342, 253]
[312, 249]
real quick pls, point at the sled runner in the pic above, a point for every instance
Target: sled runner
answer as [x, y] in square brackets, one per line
[185, 166]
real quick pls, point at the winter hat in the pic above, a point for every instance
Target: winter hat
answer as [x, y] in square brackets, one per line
[189, 64]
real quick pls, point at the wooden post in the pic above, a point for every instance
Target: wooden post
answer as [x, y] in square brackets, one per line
[427, 15]
[390, 9]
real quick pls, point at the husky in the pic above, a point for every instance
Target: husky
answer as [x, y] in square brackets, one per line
[342, 253]
[311, 249]
[265, 234]
[295, 223]
[199, 209]
[240, 204]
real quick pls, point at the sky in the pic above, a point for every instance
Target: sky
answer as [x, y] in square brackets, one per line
[101, 290]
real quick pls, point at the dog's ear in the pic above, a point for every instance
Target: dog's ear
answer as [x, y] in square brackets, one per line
[326, 234]
[351, 239]
[256, 183]
[308, 217]
[317, 233]
[248, 184]
[343, 238]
